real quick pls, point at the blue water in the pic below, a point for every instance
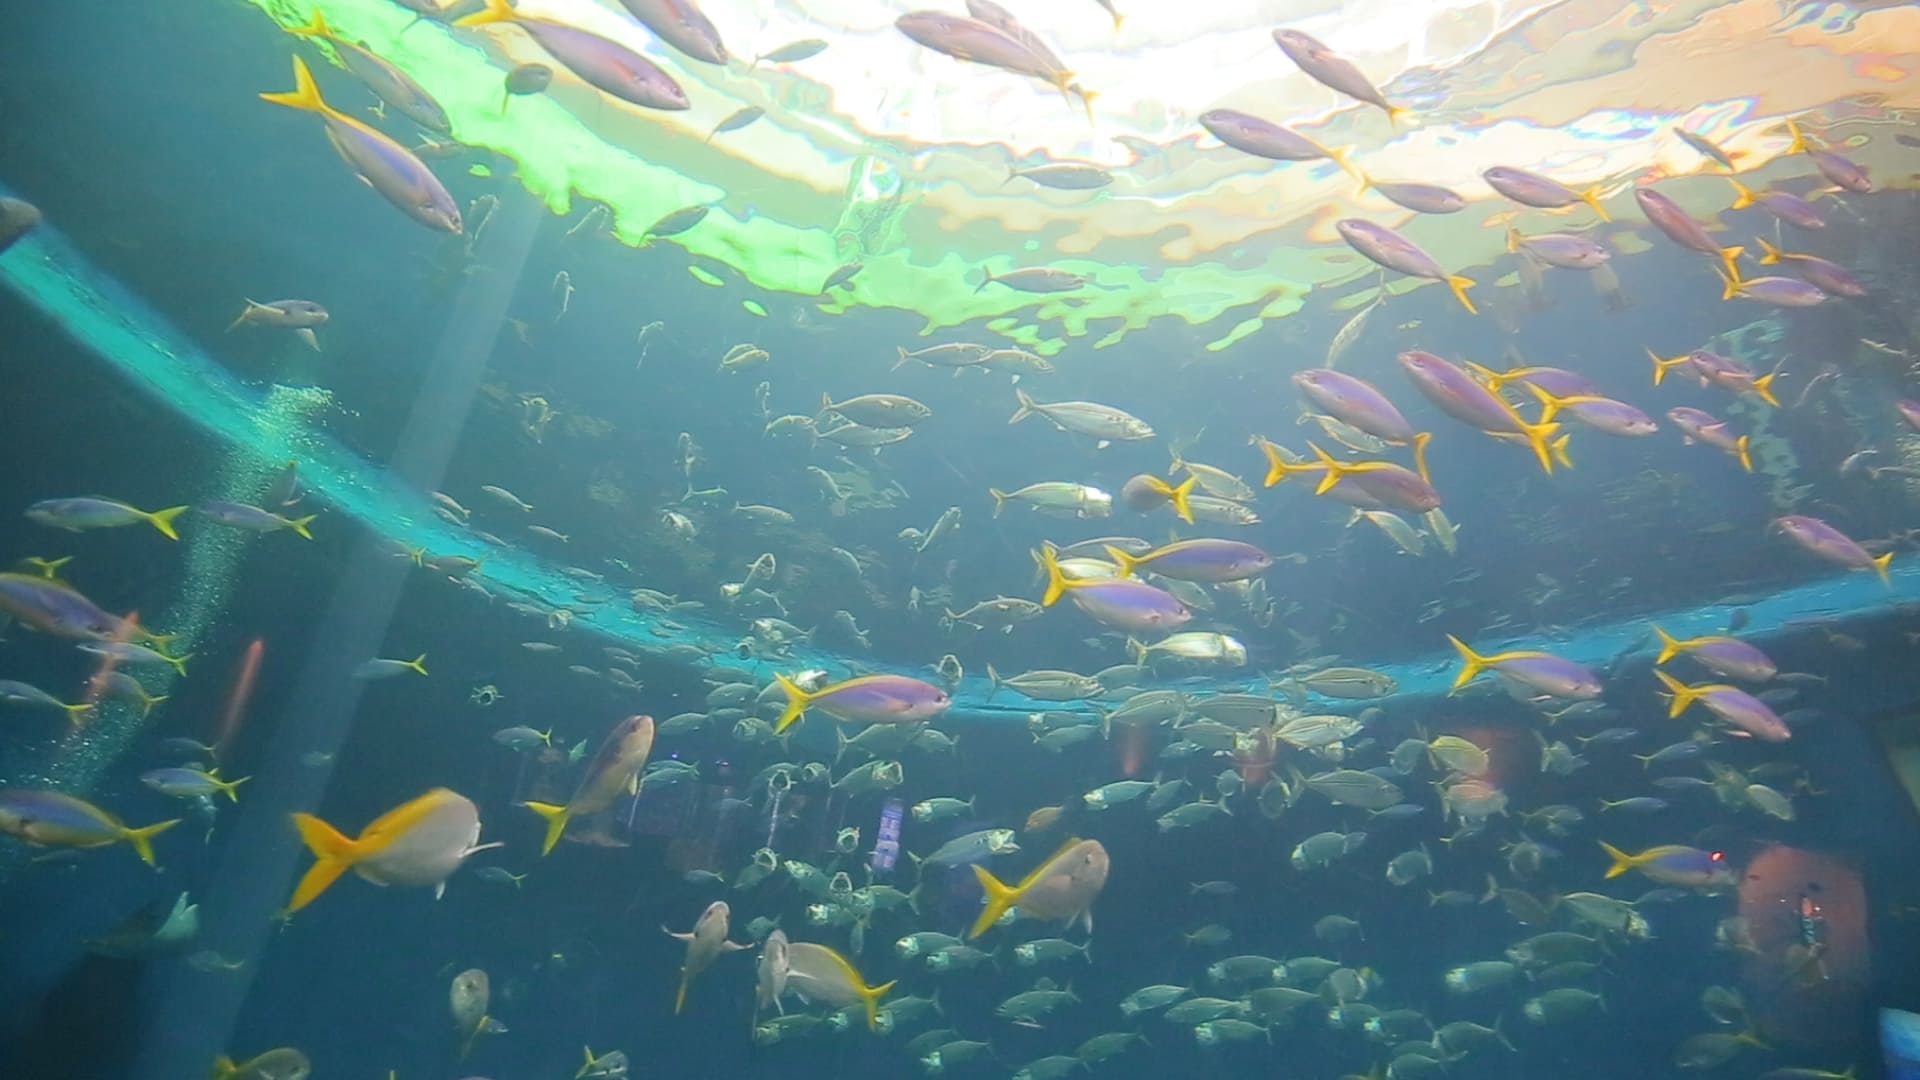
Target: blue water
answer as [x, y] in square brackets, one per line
[121, 381]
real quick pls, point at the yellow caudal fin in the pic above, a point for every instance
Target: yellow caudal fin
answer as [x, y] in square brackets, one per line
[1000, 897]
[1622, 862]
[1559, 448]
[317, 28]
[797, 702]
[142, 839]
[1277, 466]
[1137, 652]
[1743, 449]
[1336, 471]
[1761, 388]
[179, 662]
[1471, 664]
[1591, 197]
[1177, 494]
[1056, 581]
[1743, 195]
[299, 525]
[231, 788]
[1343, 157]
[557, 818]
[225, 1068]
[1550, 406]
[1662, 365]
[305, 93]
[680, 997]
[1880, 567]
[871, 995]
[1683, 695]
[1730, 256]
[1513, 240]
[163, 520]
[1799, 145]
[1669, 646]
[1396, 114]
[1539, 436]
[1420, 441]
[1460, 284]
[495, 11]
[333, 853]
[1127, 563]
[1768, 253]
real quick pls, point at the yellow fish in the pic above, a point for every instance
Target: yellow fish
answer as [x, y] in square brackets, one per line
[421, 842]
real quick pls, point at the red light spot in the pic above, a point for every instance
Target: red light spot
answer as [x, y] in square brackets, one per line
[1717, 856]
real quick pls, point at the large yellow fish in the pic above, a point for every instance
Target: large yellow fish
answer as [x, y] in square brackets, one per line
[1063, 887]
[421, 842]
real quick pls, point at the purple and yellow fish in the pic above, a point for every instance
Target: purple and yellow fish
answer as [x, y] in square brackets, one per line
[1726, 656]
[383, 164]
[1746, 713]
[1061, 889]
[53, 819]
[1832, 545]
[1673, 864]
[1461, 396]
[1599, 413]
[1540, 192]
[601, 63]
[1250, 134]
[93, 512]
[388, 83]
[867, 699]
[1567, 251]
[1783, 205]
[1395, 252]
[1122, 603]
[1540, 672]
[1417, 197]
[1778, 291]
[681, 24]
[1685, 230]
[1698, 425]
[1828, 277]
[1207, 559]
[1359, 403]
[1841, 171]
[53, 607]
[1332, 70]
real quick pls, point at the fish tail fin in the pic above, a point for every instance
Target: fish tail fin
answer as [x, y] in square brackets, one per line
[142, 839]
[1178, 494]
[1137, 651]
[1000, 897]
[79, 709]
[305, 93]
[1799, 145]
[546, 737]
[1683, 695]
[163, 520]
[1420, 441]
[797, 702]
[1335, 470]
[986, 279]
[1056, 581]
[1743, 449]
[557, 817]
[1128, 564]
[1743, 195]
[871, 995]
[994, 682]
[999, 500]
[1119, 21]
[1396, 114]
[495, 11]
[317, 28]
[1460, 283]
[1559, 448]
[1762, 388]
[231, 788]
[1026, 408]
[680, 997]
[179, 662]
[1622, 862]
[299, 525]
[147, 704]
[1539, 436]
[1513, 240]
[1669, 646]
[1550, 405]
[1277, 466]
[1343, 157]
[1471, 664]
[902, 350]
[1661, 365]
[419, 663]
[1768, 253]
[333, 853]
[1880, 567]
[1730, 256]
[1591, 197]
